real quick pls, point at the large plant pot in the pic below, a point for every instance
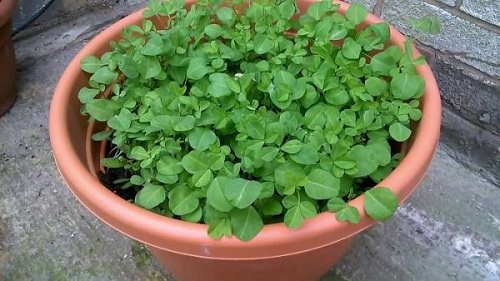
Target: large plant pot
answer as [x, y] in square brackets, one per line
[276, 253]
[7, 57]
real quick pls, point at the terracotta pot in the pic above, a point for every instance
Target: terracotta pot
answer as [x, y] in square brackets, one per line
[7, 58]
[276, 253]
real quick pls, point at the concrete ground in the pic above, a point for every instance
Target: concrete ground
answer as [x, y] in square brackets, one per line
[448, 230]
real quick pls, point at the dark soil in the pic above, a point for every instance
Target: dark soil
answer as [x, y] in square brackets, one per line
[108, 180]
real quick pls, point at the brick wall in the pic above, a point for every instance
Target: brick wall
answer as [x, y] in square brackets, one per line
[465, 57]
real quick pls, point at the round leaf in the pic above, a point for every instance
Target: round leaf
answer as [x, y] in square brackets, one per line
[201, 138]
[90, 64]
[241, 193]
[335, 204]
[150, 196]
[405, 86]
[322, 185]
[308, 155]
[293, 217]
[246, 223]
[292, 146]
[169, 166]
[399, 132]
[289, 175]
[104, 76]
[348, 213]
[380, 203]
[375, 86]
[182, 200]
[356, 13]
[216, 197]
[351, 49]
[262, 44]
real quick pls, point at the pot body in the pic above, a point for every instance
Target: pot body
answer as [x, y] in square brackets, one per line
[7, 58]
[306, 266]
[185, 249]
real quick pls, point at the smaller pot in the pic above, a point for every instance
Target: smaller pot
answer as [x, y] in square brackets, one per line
[8, 92]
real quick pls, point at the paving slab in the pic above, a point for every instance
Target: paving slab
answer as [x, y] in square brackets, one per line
[448, 230]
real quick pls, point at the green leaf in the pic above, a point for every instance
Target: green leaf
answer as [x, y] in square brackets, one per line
[321, 185]
[101, 109]
[356, 13]
[218, 85]
[348, 116]
[220, 228]
[150, 196]
[139, 153]
[112, 163]
[149, 67]
[380, 203]
[316, 10]
[241, 193]
[271, 207]
[184, 123]
[201, 179]
[268, 153]
[293, 217]
[101, 135]
[376, 86]
[351, 49]
[194, 216]
[120, 122]
[213, 30]
[335, 204]
[197, 68]
[399, 132]
[289, 175]
[383, 31]
[346, 165]
[169, 166]
[86, 95]
[405, 86]
[104, 76]
[201, 138]
[128, 67]
[338, 32]
[308, 155]
[315, 117]
[348, 213]
[369, 157]
[246, 223]
[216, 197]
[225, 15]
[308, 209]
[136, 180]
[262, 44]
[154, 46]
[292, 146]
[182, 200]
[255, 127]
[195, 161]
[382, 63]
[90, 64]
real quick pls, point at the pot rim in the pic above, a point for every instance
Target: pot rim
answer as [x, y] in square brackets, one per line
[191, 239]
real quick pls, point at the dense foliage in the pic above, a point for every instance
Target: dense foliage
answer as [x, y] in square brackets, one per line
[237, 119]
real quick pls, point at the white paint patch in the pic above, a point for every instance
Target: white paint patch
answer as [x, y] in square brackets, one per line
[207, 250]
[430, 229]
[459, 243]
[464, 245]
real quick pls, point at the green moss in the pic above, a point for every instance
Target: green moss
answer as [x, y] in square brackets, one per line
[140, 255]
